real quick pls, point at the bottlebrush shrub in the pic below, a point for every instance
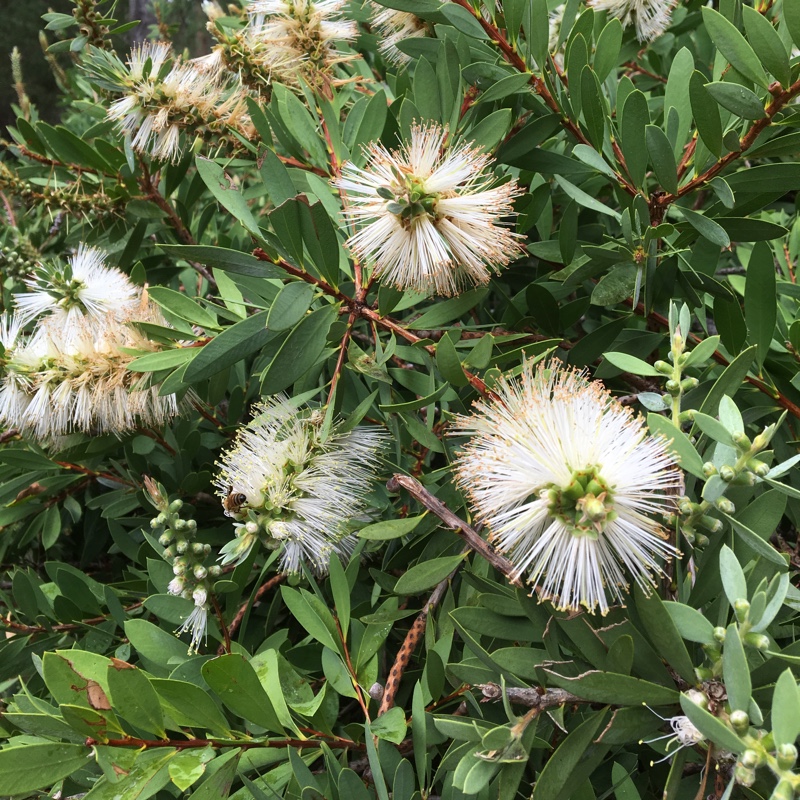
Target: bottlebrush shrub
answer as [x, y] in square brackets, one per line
[400, 399]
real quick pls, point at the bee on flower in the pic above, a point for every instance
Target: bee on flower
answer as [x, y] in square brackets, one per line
[427, 215]
[294, 490]
[394, 27]
[650, 17]
[570, 486]
[70, 374]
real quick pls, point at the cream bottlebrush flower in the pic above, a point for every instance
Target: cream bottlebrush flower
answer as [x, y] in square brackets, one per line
[70, 375]
[300, 33]
[683, 732]
[293, 490]
[569, 483]
[651, 17]
[197, 622]
[427, 215]
[393, 27]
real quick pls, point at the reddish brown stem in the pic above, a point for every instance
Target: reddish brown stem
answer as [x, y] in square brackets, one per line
[218, 744]
[65, 627]
[262, 590]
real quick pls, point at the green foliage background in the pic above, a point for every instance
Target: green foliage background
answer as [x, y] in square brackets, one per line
[660, 197]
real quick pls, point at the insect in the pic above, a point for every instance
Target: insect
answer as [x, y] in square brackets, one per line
[233, 502]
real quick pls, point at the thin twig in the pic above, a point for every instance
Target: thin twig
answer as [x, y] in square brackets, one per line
[218, 744]
[226, 635]
[538, 698]
[455, 523]
[64, 627]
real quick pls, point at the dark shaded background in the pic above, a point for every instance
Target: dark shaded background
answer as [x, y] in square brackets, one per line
[21, 21]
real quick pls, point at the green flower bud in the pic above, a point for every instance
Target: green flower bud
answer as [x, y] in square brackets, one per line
[727, 473]
[169, 553]
[198, 549]
[191, 524]
[709, 469]
[741, 440]
[200, 572]
[181, 525]
[214, 571]
[711, 524]
[165, 539]
[757, 640]
[741, 608]
[787, 756]
[725, 505]
[182, 546]
[758, 467]
[744, 777]
[719, 633]
[750, 759]
[663, 367]
[697, 697]
[673, 387]
[783, 791]
[176, 505]
[740, 722]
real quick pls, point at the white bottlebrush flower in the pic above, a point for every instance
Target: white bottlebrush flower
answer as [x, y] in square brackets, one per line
[569, 483]
[683, 732]
[427, 215]
[651, 17]
[85, 287]
[393, 27]
[293, 490]
[197, 622]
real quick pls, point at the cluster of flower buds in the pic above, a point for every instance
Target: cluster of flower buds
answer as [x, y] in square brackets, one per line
[193, 579]
[676, 385]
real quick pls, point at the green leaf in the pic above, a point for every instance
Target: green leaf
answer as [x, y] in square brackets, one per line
[300, 124]
[519, 82]
[340, 590]
[747, 229]
[712, 727]
[760, 307]
[570, 758]
[584, 199]
[662, 158]
[680, 444]
[218, 785]
[706, 113]
[277, 181]
[290, 305]
[301, 350]
[134, 698]
[735, 670]
[754, 541]
[734, 47]
[448, 362]
[706, 227]
[732, 575]
[166, 359]
[663, 633]
[159, 651]
[235, 682]
[390, 725]
[791, 14]
[786, 709]
[182, 306]
[29, 767]
[390, 528]
[189, 706]
[691, 624]
[616, 286]
[737, 99]
[767, 44]
[614, 688]
[463, 21]
[448, 310]
[186, 768]
[609, 44]
[703, 351]
[427, 574]
[227, 260]
[631, 364]
[312, 615]
[233, 344]
[594, 110]
[635, 118]
[227, 193]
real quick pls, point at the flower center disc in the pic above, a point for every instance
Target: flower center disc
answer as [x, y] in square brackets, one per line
[585, 505]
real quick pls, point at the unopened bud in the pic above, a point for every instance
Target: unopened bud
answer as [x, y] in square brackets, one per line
[757, 640]
[673, 387]
[741, 608]
[165, 539]
[251, 527]
[169, 553]
[744, 776]
[758, 467]
[709, 469]
[687, 384]
[719, 633]
[740, 722]
[181, 525]
[783, 791]
[191, 524]
[182, 546]
[200, 572]
[711, 524]
[787, 756]
[741, 440]
[725, 505]
[749, 759]
[176, 505]
[663, 367]
[698, 698]
[198, 549]
[215, 571]
[727, 473]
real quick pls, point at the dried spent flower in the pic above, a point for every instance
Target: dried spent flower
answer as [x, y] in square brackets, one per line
[568, 482]
[651, 17]
[292, 489]
[427, 215]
